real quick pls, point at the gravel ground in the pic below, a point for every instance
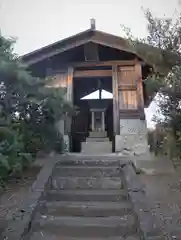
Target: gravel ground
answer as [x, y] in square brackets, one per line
[15, 193]
[164, 194]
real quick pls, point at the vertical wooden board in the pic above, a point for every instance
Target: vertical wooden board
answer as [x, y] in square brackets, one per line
[69, 96]
[138, 71]
[128, 100]
[70, 85]
[115, 100]
[126, 75]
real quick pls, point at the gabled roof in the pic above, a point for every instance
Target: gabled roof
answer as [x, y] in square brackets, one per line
[79, 39]
[152, 56]
[95, 95]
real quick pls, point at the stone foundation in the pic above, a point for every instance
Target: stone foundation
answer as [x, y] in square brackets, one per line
[132, 138]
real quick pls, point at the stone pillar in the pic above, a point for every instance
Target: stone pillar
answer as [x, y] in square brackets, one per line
[92, 124]
[103, 121]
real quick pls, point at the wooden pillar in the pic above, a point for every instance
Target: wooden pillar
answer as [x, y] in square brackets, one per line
[138, 72]
[70, 85]
[115, 100]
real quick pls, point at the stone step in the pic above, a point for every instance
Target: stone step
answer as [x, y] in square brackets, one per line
[43, 235]
[87, 195]
[87, 171]
[86, 226]
[87, 209]
[93, 139]
[85, 183]
[96, 147]
[90, 161]
[98, 134]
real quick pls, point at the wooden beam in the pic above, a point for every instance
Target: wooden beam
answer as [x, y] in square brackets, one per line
[132, 114]
[93, 73]
[104, 63]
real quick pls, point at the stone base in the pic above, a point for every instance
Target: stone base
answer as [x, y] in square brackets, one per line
[96, 147]
[133, 138]
[91, 139]
[102, 134]
[66, 147]
[132, 144]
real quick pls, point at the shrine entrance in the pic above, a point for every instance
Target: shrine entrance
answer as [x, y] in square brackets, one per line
[93, 122]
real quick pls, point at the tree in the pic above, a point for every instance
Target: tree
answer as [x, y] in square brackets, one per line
[162, 49]
[27, 108]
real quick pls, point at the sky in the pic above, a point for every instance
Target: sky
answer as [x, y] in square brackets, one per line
[37, 23]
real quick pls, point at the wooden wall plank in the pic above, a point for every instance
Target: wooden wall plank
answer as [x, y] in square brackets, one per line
[138, 71]
[127, 80]
[92, 73]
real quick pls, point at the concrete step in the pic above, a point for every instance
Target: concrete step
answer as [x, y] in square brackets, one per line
[87, 209]
[87, 227]
[43, 235]
[98, 134]
[85, 183]
[87, 195]
[87, 171]
[96, 147]
[90, 161]
[91, 139]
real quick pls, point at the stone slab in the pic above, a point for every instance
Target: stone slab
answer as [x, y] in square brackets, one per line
[98, 134]
[43, 235]
[88, 208]
[96, 147]
[90, 227]
[92, 160]
[133, 126]
[96, 139]
[85, 183]
[131, 144]
[87, 171]
[87, 195]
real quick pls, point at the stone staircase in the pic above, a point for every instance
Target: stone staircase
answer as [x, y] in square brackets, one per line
[96, 143]
[86, 199]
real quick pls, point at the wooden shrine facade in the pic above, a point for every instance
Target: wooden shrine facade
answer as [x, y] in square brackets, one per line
[94, 54]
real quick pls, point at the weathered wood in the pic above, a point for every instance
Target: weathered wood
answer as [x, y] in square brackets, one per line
[132, 114]
[93, 73]
[91, 52]
[103, 63]
[128, 99]
[115, 100]
[126, 75]
[127, 87]
[70, 85]
[138, 72]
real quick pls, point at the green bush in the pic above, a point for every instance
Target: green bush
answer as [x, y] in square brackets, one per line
[28, 114]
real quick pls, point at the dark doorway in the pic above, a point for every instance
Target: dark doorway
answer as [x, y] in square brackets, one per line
[83, 87]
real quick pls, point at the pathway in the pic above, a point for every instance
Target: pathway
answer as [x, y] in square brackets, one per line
[86, 200]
